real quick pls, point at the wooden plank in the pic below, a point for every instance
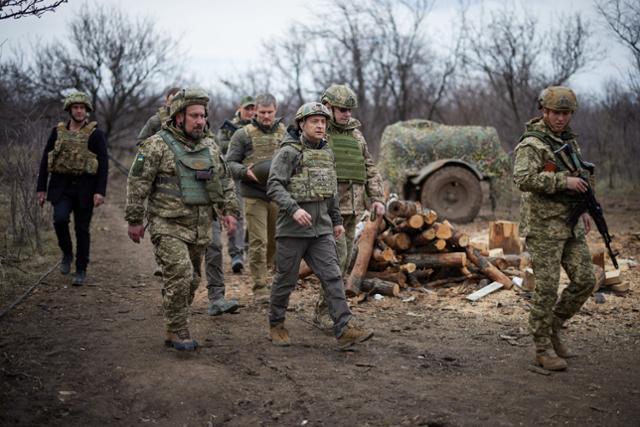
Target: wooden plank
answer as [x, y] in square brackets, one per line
[480, 293]
[612, 277]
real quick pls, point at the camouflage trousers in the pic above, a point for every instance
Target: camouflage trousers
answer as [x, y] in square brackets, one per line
[320, 255]
[213, 263]
[344, 244]
[260, 216]
[547, 255]
[180, 262]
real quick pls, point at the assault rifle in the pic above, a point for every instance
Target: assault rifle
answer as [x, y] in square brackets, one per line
[229, 127]
[588, 202]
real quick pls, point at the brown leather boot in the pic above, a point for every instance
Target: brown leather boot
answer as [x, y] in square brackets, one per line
[353, 335]
[279, 335]
[550, 361]
[557, 340]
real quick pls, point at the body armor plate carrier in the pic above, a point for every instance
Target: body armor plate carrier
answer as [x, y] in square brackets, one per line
[314, 178]
[71, 154]
[349, 158]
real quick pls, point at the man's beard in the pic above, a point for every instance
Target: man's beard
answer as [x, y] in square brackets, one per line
[84, 117]
[196, 133]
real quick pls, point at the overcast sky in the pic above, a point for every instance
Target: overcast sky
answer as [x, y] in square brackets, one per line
[222, 37]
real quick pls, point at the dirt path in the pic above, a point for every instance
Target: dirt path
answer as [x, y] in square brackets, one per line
[95, 356]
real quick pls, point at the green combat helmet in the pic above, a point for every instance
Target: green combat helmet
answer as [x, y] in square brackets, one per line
[558, 98]
[311, 109]
[186, 97]
[77, 98]
[340, 96]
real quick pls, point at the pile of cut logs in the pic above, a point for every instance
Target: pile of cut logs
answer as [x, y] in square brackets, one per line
[408, 246]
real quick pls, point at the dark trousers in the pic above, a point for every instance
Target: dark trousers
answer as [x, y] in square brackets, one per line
[62, 208]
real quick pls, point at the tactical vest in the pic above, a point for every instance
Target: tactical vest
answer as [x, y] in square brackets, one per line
[566, 197]
[314, 179]
[349, 158]
[71, 154]
[196, 181]
[264, 145]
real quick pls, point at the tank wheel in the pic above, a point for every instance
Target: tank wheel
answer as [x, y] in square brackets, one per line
[454, 193]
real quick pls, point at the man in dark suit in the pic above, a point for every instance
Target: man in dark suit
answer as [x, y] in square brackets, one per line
[76, 159]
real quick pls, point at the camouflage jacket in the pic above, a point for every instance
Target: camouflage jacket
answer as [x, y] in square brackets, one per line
[153, 125]
[355, 198]
[545, 202]
[325, 213]
[189, 223]
[223, 137]
[241, 147]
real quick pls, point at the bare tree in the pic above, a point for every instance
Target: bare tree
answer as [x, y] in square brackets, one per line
[623, 19]
[114, 58]
[17, 9]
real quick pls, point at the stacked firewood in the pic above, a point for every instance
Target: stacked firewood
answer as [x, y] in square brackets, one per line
[410, 247]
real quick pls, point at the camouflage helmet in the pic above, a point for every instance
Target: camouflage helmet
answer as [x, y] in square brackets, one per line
[312, 109]
[558, 98]
[77, 98]
[340, 96]
[186, 97]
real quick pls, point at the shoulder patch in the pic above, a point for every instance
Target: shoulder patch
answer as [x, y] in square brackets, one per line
[138, 165]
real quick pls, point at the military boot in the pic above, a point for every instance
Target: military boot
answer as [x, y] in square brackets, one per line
[558, 341]
[279, 335]
[550, 361]
[79, 278]
[65, 263]
[222, 305]
[352, 335]
[237, 265]
[181, 340]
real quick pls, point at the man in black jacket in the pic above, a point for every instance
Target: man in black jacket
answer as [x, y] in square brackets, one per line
[76, 159]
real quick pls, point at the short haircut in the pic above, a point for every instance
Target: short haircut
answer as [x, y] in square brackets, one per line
[266, 99]
[172, 91]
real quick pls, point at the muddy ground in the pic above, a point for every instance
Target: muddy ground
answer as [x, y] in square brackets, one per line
[95, 355]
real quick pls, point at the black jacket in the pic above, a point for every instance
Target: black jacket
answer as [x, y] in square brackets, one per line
[86, 185]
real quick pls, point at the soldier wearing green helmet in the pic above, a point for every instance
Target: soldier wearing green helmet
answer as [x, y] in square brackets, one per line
[73, 177]
[180, 173]
[550, 191]
[359, 182]
[303, 182]
[250, 152]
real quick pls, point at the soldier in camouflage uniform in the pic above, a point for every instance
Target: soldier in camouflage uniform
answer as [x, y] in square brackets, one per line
[155, 122]
[303, 182]
[180, 172]
[76, 159]
[249, 157]
[550, 192]
[359, 182]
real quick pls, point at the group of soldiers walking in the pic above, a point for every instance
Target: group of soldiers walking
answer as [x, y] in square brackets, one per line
[298, 192]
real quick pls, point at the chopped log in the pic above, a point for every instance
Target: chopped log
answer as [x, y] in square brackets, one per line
[465, 271]
[452, 259]
[612, 277]
[459, 239]
[487, 268]
[400, 241]
[443, 229]
[597, 256]
[600, 277]
[382, 287]
[505, 235]
[389, 275]
[403, 208]
[529, 283]
[416, 221]
[378, 265]
[386, 255]
[409, 267]
[506, 261]
[481, 245]
[424, 238]
[440, 282]
[430, 216]
[512, 271]
[423, 275]
[412, 280]
[365, 249]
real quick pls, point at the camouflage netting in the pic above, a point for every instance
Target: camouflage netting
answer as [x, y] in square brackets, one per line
[406, 147]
